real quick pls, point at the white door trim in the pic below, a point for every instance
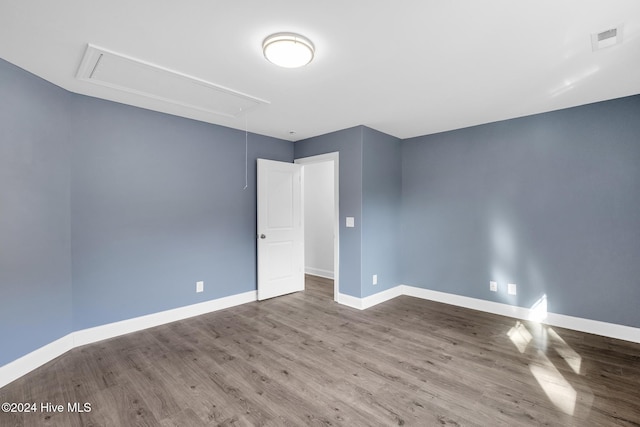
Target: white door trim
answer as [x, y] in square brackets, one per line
[331, 157]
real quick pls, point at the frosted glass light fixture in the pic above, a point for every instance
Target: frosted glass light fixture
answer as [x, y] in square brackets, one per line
[288, 50]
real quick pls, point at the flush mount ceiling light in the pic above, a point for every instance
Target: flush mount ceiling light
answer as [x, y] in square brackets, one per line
[288, 50]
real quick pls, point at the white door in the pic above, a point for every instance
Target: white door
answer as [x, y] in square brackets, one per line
[280, 229]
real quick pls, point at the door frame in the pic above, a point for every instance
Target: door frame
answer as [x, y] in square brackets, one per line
[322, 158]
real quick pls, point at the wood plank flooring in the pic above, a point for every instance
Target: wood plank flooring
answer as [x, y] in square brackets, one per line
[302, 359]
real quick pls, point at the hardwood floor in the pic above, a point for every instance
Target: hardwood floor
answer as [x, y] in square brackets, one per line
[302, 359]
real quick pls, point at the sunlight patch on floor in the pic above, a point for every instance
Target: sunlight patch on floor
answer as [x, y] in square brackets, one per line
[520, 337]
[573, 359]
[555, 386]
[537, 340]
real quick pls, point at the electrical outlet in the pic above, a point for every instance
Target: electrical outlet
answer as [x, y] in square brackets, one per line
[493, 286]
[375, 279]
[511, 289]
[200, 286]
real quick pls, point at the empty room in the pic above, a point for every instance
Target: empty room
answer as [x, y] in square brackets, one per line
[240, 213]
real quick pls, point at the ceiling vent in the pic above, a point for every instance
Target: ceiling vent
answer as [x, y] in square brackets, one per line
[132, 75]
[607, 38]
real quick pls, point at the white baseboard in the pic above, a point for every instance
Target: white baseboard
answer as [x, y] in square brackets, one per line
[27, 363]
[349, 301]
[611, 330]
[467, 302]
[371, 300]
[110, 330]
[327, 274]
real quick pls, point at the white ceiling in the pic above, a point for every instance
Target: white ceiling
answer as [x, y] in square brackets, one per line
[406, 68]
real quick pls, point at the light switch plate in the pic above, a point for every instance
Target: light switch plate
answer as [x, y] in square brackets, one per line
[351, 221]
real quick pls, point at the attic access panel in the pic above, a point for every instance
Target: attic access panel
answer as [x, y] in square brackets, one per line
[117, 71]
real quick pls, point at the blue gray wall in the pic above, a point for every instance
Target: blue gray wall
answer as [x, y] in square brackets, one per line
[109, 212]
[370, 191]
[550, 202]
[158, 204]
[348, 143]
[35, 254]
[381, 200]
[145, 204]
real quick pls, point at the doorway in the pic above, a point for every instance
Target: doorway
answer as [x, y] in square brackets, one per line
[321, 217]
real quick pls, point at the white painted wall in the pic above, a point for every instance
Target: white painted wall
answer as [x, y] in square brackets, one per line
[319, 218]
